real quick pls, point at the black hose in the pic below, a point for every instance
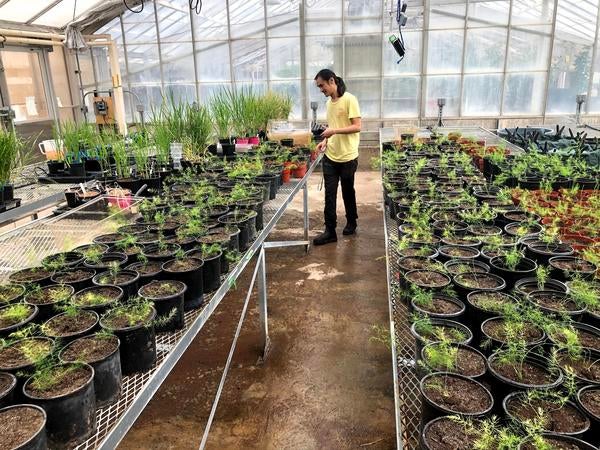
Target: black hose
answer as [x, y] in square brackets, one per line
[196, 6]
[133, 10]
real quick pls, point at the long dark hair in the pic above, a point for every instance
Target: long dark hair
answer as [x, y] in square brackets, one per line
[327, 75]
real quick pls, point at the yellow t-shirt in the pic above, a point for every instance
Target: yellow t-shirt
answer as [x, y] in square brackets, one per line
[342, 147]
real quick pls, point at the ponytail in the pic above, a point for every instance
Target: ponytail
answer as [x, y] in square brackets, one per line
[327, 75]
[341, 86]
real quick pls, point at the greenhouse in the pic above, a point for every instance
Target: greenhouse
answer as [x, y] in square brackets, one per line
[300, 224]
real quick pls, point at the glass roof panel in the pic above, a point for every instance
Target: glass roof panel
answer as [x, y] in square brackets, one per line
[13, 11]
[62, 13]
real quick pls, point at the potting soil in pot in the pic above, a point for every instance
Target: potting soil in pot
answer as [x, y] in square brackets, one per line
[457, 394]
[19, 424]
[557, 418]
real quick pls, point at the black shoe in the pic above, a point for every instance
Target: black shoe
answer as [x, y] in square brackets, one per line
[349, 229]
[325, 237]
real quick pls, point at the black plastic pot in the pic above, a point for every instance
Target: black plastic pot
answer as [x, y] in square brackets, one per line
[463, 283]
[102, 248]
[137, 345]
[273, 184]
[445, 254]
[103, 307]
[211, 271]
[421, 310]
[585, 269]
[33, 312]
[54, 167]
[129, 287]
[131, 252]
[421, 341]
[133, 184]
[77, 169]
[223, 240]
[257, 207]
[107, 371]
[192, 278]
[107, 260]
[21, 370]
[575, 314]
[430, 410]
[427, 429]
[153, 186]
[47, 310]
[234, 236]
[468, 265]
[594, 418]
[152, 252]
[525, 286]
[410, 277]
[14, 293]
[512, 229]
[590, 355]
[519, 421]
[147, 275]
[495, 344]
[32, 275]
[82, 283]
[38, 440]
[71, 418]
[502, 386]
[246, 222]
[541, 252]
[524, 268]
[68, 259]
[568, 440]
[422, 368]
[579, 327]
[475, 315]
[7, 396]
[75, 334]
[419, 250]
[165, 305]
[228, 149]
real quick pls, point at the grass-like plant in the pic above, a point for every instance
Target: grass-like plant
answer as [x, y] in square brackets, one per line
[10, 154]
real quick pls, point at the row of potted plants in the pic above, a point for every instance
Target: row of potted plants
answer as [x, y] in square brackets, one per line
[231, 116]
[11, 155]
[71, 328]
[503, 312]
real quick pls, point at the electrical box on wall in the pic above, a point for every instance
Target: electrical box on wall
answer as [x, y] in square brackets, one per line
[104, 110]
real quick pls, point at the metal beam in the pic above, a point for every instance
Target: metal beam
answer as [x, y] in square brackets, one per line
[549, 63]
[506, 48]
[43, 11]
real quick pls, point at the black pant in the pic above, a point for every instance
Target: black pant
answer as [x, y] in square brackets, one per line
[335, 172]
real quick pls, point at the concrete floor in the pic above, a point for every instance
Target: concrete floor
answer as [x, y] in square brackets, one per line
[325, 385]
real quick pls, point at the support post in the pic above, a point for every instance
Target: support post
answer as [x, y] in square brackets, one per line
[262, 304]
[117, 86]
[305, 211]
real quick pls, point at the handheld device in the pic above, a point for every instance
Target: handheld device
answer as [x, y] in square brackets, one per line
[398, 41]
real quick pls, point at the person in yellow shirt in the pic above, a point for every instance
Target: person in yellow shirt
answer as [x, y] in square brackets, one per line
[340, 145]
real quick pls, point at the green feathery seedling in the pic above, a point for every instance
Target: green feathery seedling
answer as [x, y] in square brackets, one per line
[48, 374]
[512, 259]
[381, 335]
[15, 314]
[421, 297]
[542, 274]
[135, 311]
[585, 293]
[441, 356]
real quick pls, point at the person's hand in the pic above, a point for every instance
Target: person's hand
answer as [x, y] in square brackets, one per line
[321, 146]
[328, 133]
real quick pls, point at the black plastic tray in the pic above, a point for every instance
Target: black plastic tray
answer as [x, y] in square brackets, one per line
[12, 204]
